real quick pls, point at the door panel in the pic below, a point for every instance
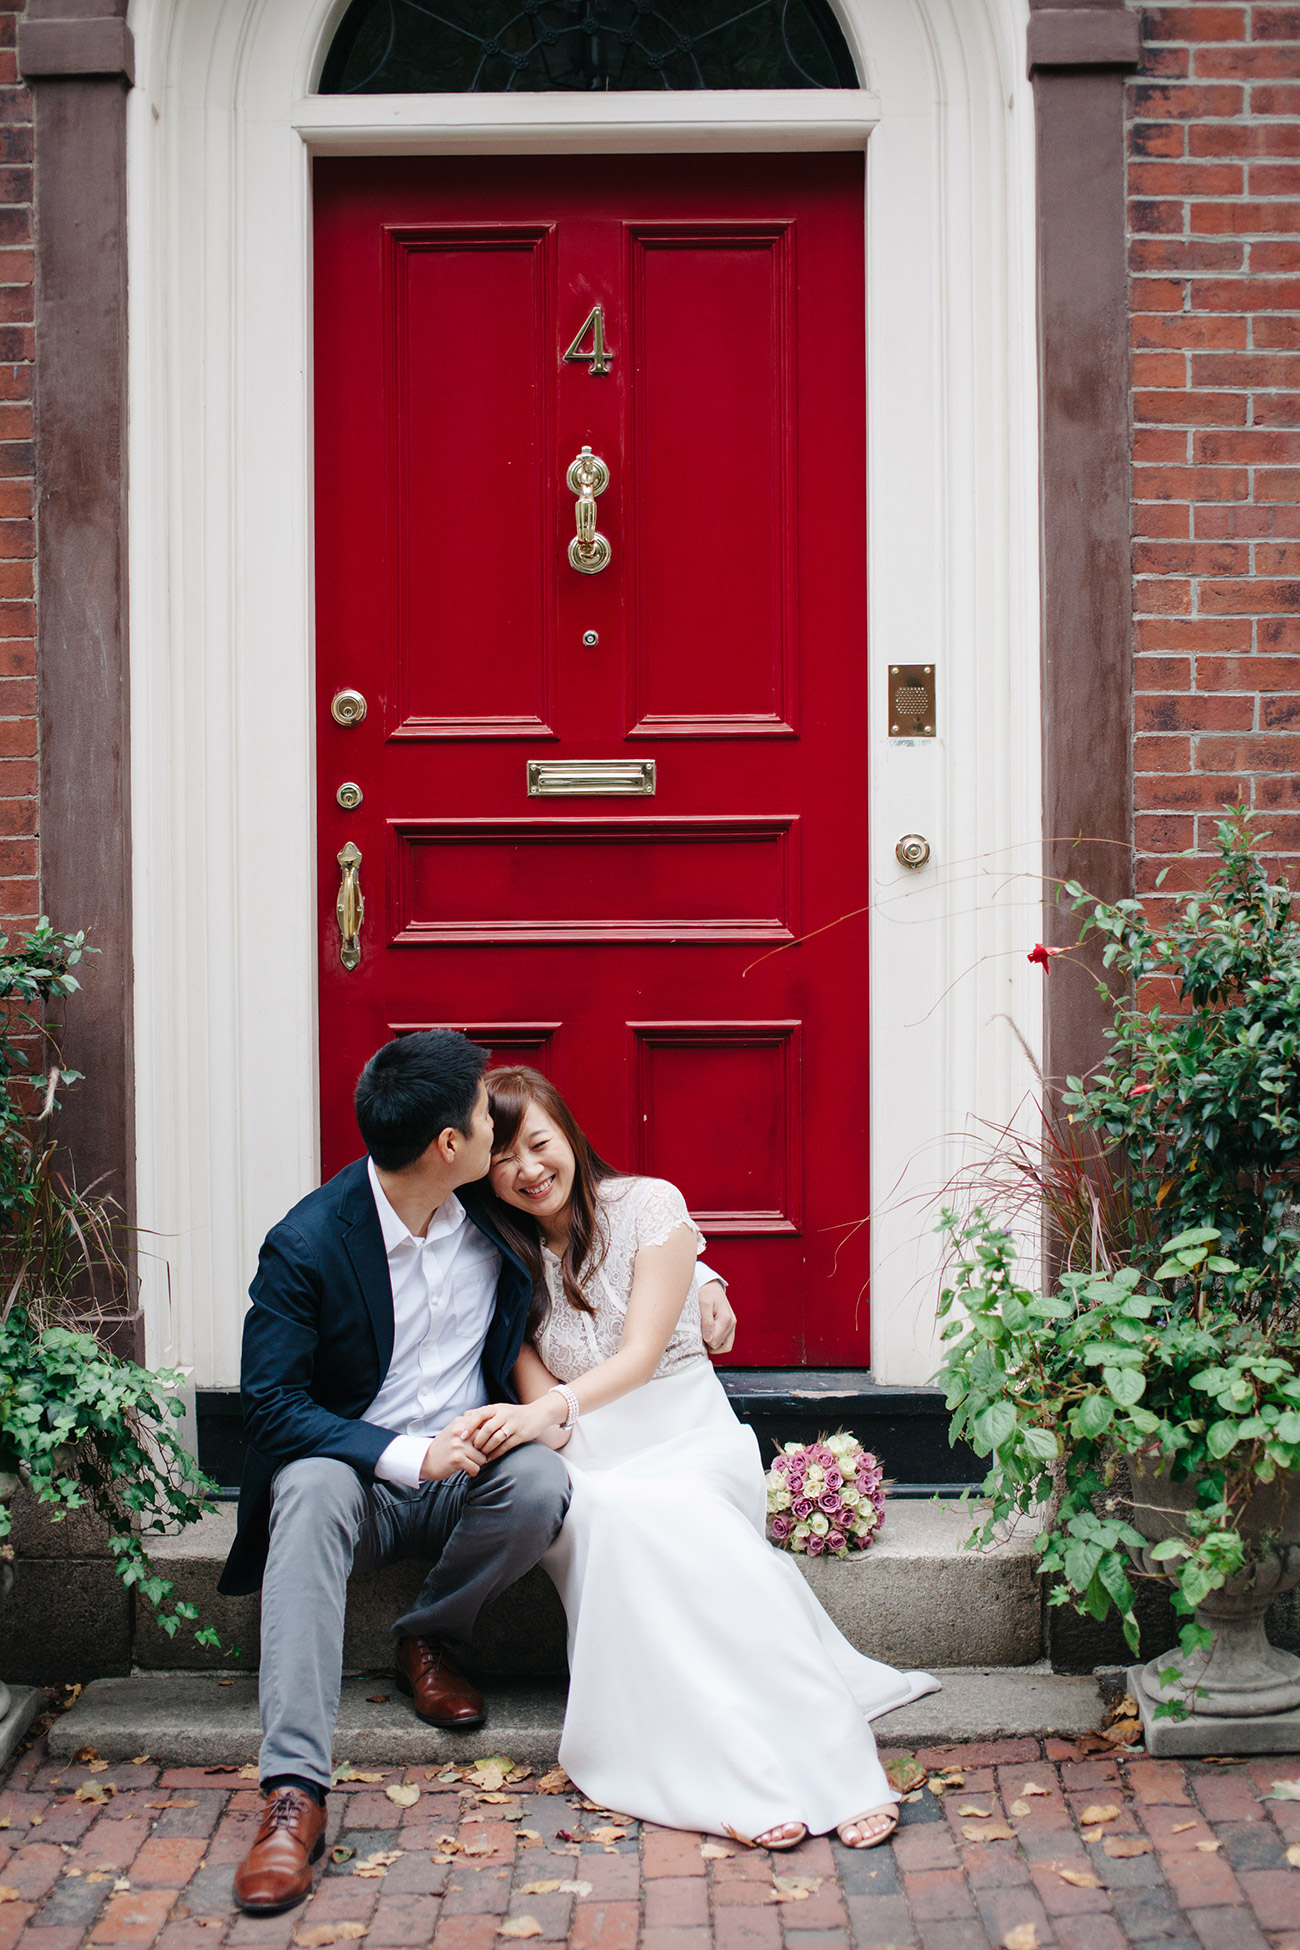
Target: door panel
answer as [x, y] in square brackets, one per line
[690, 966]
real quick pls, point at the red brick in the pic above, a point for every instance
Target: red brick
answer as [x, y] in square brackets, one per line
[668, 1852]
[1162, 754]
[1163, 833]
[1192, 484]
[1166, 519]
[938, 1895]
[13, 1922]
[1190, 329]
[1193, 409]
[1174, 792]
[1202, 178]
[1184, 104]
[1157, 139]
[1246, 294]
[1191, 559]
[676, 1902]
[1277, 518]
[1145, 294]
[1272, 100]
[925, 1845]
[1193, 634]
[1148, 254]
[1160, 369]
[1162, 597]
[1250, 598]
[1274, 1895]
[167, 1862]
[1154, 444]
[1255, 369]
[1277, 484]
[746, 1929]
[455, 1932]
[134, 1917]
[1248, 673]
[1193, 713]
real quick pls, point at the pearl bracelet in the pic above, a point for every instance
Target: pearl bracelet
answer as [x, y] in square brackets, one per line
[570, 1401]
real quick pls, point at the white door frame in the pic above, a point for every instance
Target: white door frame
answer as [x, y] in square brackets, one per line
[222, 127]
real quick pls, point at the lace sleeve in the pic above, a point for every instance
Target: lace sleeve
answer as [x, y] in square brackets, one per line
[661, 1211]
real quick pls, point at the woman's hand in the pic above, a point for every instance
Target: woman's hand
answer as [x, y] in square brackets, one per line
[508, 1424]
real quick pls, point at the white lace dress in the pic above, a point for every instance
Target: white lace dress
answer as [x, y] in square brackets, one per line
[708, 1689]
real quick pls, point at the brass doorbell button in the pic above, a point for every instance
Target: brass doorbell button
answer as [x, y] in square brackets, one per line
[349, 796]
[347, 707]
[913, 850]
[591, 638]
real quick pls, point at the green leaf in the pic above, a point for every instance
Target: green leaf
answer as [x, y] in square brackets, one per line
[1043, 1444]
[1220, 1437]
[1093, 1416]
[992, 1426]
[1126, 1385]
[1198, 1236]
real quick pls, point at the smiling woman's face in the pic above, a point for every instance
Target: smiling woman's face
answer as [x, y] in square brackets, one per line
[536, 1174]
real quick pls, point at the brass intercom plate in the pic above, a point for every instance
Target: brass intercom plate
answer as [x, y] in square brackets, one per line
[911, 700]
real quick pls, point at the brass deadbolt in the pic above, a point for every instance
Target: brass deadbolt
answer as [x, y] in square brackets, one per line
[347, 707]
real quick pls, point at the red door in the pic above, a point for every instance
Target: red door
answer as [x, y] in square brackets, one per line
[613, 797]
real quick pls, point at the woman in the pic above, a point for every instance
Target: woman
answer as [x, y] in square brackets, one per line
[708, 1689]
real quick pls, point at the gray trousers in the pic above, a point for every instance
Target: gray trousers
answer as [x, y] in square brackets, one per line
[325, 1523]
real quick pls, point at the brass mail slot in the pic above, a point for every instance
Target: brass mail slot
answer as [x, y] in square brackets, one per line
[591, 778]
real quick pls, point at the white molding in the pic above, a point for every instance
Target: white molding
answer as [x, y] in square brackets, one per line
[221, 129]
[555, 125]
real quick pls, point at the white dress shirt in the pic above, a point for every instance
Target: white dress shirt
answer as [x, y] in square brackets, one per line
[444, 1290]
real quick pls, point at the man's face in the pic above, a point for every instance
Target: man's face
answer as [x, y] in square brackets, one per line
[475, 1152]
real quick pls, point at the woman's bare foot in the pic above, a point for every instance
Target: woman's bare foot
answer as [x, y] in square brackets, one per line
[786, 1834]
[869, 1830]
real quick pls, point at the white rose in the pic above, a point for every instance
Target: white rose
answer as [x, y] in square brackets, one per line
[779, 1498]
[801, 1532]
[842, 1445]
[820, 1524]
[815, 1479]
[850, 1497]
[793, 1448]
[865, 1524]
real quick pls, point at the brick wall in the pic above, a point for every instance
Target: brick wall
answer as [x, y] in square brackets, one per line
[19, 895]
[1214, 222]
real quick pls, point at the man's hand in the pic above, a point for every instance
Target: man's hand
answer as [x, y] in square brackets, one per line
[454, 1449]
[717, 1321]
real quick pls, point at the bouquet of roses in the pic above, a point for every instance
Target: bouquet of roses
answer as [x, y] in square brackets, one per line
[825, 1498]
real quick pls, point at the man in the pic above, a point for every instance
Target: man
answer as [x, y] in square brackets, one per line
[387, 1314]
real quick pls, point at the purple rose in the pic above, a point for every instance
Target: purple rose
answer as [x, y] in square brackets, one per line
[829, 1502]
[834, 1480]
[795, 1481]
[816, 1545]
[780, 1466]
[781, 1527]
[835, 1540]
[803, 1508]
[821, 1454]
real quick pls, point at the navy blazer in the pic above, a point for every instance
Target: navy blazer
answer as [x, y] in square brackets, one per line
[317, 1343]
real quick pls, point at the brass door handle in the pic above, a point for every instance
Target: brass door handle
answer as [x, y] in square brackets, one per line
[587, 477]
[350, 906]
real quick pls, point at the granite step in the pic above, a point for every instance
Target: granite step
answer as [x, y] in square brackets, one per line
[209, 1720]
[916, 1598]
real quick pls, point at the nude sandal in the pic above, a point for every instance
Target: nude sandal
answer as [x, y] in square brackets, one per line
[760, 1841]
[889, 1816]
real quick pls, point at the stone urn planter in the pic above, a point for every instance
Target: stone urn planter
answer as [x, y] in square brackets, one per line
[1244, 1693]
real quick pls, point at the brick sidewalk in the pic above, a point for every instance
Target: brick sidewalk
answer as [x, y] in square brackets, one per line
[1192, 1858]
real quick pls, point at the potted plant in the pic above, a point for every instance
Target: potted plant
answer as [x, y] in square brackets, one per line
[79, 1426]
[1149, 1398]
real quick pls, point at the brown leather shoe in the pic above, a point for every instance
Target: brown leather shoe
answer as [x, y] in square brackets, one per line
[276, 1872]
[443, 1696]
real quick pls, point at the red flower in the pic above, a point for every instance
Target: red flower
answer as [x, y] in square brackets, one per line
[1043, 956]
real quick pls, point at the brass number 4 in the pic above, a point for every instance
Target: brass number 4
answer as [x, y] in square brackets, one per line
[594, 323]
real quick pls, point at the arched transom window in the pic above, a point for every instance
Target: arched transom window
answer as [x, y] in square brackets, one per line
[397, 47]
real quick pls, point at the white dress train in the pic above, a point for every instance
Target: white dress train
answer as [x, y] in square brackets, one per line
[707, 1687]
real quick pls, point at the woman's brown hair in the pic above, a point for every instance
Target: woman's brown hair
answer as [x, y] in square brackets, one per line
[510, 1091]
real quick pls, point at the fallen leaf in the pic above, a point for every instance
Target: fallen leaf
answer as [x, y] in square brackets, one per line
[997, 1831]
[520, 1926]
[915, 1795]
[96, 1767]
[8, 1894]
[377, 1864]
[172, 1804]
[248, 1772]
[1019, 1808]
[1121, 1846]
[377, 1699]
[437, 1857]
[1106, 1812]
[797, 1888]
[1091, 1835]
[1023, 1937]
[74, 1872]
[346, 1773]
[952, 1777]
[714, 1851]
[1032, 1787]
[95, 1791]
[322, 1933]
[1181, 1827]
[565, 1848]
[84, 1755]
[405, 1797]
[225, 1682]
[540, 1888]
[476, 1848]
[969, 1808]
[98, 1875]
[1293, 1855]
[36, 1821]
[1218, 1760]
[1208, 1848]
[341, 1853]
[491, 1773]
[1080, 1878]
[496, 1799]
[223, 1767]
[578, 1889]
[555, 1781]
[139, 1760]
[905, 1772]
[1284, 1791]
[122, 1884]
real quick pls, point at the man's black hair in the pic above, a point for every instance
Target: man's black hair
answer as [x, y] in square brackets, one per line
[414, 1089]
